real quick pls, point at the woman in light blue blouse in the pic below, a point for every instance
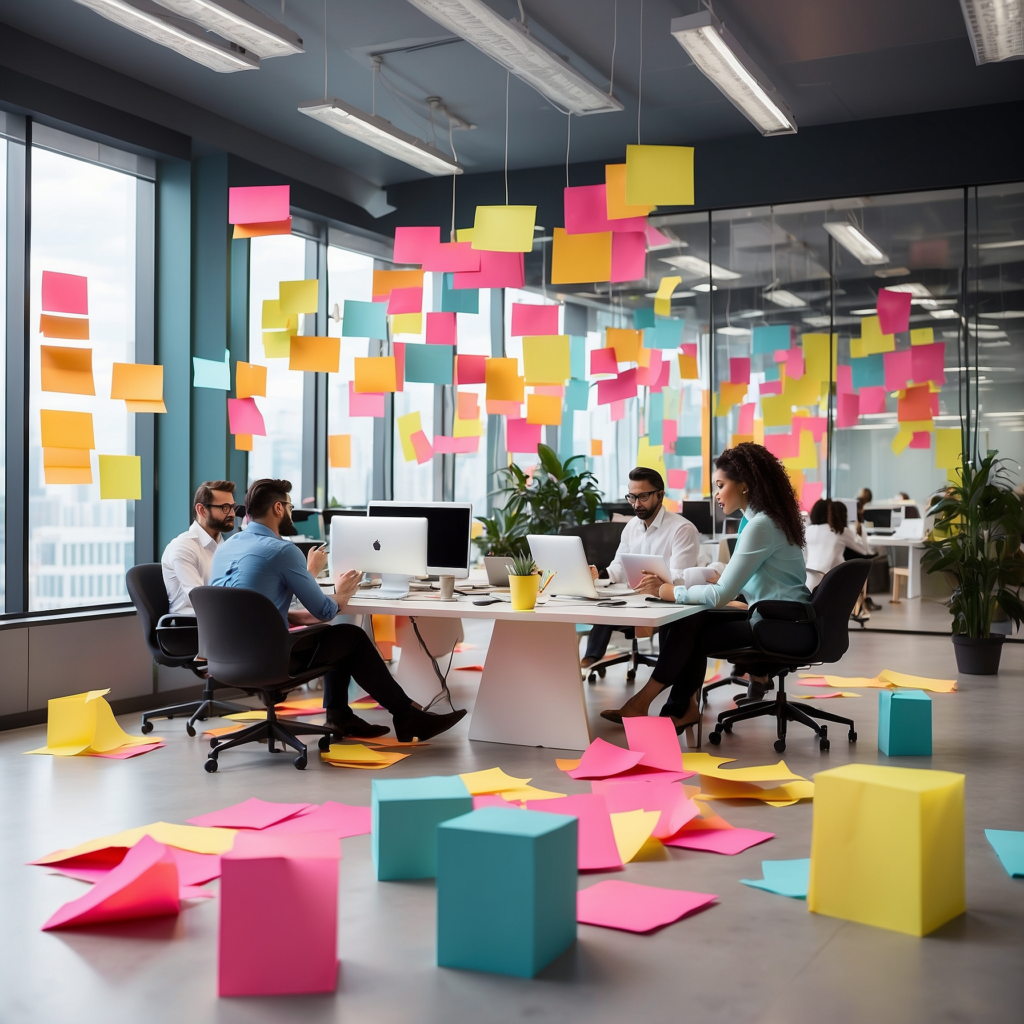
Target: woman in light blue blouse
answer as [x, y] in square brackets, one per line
[768, 562]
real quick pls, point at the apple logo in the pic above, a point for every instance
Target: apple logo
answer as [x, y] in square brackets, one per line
[376, 545]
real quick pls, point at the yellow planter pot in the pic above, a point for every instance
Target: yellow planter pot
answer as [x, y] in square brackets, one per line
[524, 592]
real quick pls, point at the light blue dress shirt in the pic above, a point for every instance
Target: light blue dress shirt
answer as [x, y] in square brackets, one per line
[764, 565]
[257, 559]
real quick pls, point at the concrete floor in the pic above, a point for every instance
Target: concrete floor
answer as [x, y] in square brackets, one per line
[752, 957]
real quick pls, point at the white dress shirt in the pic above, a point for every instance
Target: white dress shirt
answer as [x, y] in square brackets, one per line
[186, 564]
[674, 538]
[824, 549]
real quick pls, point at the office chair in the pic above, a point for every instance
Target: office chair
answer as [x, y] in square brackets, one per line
[248, 645]
[790, 635]
[173, 640]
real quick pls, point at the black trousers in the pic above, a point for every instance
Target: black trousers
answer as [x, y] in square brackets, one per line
[597, 642]
[685, 646]
[345, 650]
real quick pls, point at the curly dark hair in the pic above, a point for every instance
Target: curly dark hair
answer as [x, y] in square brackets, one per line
[768, 486]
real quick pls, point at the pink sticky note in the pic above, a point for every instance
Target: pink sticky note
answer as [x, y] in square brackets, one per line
[617, 389]
[452, 257]
[259, 204]
[513, 410]
[244, 417]
[739, 370]
[123, 753]
[817, 425]
[893, 311]
[632, 907]
[602, 759]
[928, 363]
[844, 380]
[745, 423]
[795, 363]
[65, 293]
[341, 820]
[554, 390]
[783, 446]
[872, 400]
[689, 349]
[470, 369]
[677, 479]
[468, 405]
[649, 374]
[669, 433]
[444, 445]
[414, 244]
[398, 350]
[919, 439]
[405, 300]
[898, 369]
[422, 446]
[649, 794]
[656, 739]
[780, 355]
[364, 403]
[534, 320]
[586, 212]
[292, 926]
[729, 841]
[809, 494]
[629, 255]
[596, 849]
[847, 409]
[497, 270]
[770, 387]
[251, 813]
[617, 411]
[602, 360]
[195, 868]
[441, 328]
[640, 774]
[655, 238]
[521, 437]
[144, 884]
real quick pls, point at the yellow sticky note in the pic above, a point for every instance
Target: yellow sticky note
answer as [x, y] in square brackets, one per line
[314, 354]
[182, 837]
[729, 395]
[767, 776]
[66, 429]
[796, 478]
[615, 195]
[871, 340]
[339, 450]
[596, 447]
[467, 428]
[67, 370]
[121, 477]
[407, 323]
[407, 426]
[137, 382]
[504, 228]
[804, 391]
[902, 440]
[947, 449]
[274, 320]
[808, 457]
[632, 829]
[663, 296]
[659, 175]
[524, 793]
[375, 374]
[491, 780]
[464, 235]
[652, 456]
[250, 380]
[298, 296]
[67, 466]
[922, 336]
[777, 410]
[820, 358]
[277, 344]
[626, 343]
[687, 367]
[544, 409]
[384, 281]
[546, 359]
[243, 442]
[887, 675]
[503, 381]
[581, 259]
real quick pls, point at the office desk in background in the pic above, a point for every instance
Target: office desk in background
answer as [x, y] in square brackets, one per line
[915, 550]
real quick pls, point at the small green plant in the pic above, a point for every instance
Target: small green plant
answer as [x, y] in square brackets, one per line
[521, 565]
[504, 532]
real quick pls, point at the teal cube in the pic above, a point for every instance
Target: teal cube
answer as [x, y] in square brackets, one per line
[506, 890]
[904, 723]
[404, 815]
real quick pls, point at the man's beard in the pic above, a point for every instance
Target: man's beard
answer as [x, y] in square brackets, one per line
[287, 527]
[222, 526]
[643, 512]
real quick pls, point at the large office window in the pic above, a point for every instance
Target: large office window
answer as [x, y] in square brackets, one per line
[3, 366]
[471, 483]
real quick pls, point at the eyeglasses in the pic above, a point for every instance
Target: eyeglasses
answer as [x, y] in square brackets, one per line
[228, 508]
[642, 496]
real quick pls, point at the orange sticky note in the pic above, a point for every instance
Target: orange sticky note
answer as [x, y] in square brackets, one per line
[596, 447]
[468, 405]
[544, 409]
[385, 280]
[626, 343]
[70, 328]
[581, 259]
[68, 370]
[375, 374]
[66, 429]
[339, 450]
[137, 382]
[243, 442]
[67, 466]
[270, 227]
[687, 367]
[615, 193]
[659, 175]
[317, 355]
[250, 380]
[503, 381]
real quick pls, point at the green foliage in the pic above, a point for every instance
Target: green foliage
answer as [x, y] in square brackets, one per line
[977, 538]
[521, 565]
[504, 532]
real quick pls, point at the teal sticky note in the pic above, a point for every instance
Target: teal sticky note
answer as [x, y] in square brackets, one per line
[687, 446]
[771, 371]
[784, 877]
[565, 439]
[1009, 847]
[768, 339]
[642, 319]
[694, 476]
[868, 371]
[904, 723]
[364, 320]
[656, 407]
[577, 394]
[429, 364]
[458, 300]
[665, 334]
[209, 373]
[577, 358]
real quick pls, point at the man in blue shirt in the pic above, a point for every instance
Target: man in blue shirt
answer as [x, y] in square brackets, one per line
[260, 559]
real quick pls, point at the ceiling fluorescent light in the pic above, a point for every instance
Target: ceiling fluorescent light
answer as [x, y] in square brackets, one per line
[783, 298]
[150, 21]
[1012, 244]
[944, 314]
[996, 28]
[700, 268]
[242, 24]
[855, 242]
[1006, 314]
[381, 134]
[918, 290]
[737, 331]
[717, 54]
[511, 45]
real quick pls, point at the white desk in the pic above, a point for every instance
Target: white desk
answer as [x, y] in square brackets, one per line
[531, 692]
[915, 550]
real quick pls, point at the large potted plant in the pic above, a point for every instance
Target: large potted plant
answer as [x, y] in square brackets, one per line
[977, 538]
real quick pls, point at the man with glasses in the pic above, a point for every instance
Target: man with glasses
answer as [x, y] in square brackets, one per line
[653, 531]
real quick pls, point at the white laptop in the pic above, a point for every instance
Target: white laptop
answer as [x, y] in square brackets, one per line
[564, 556]
[637, 565]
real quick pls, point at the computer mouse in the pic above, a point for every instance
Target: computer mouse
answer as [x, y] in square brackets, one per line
[487, 600]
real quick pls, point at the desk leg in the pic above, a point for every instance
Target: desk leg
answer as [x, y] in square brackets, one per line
[914, 554]
[531, 691]
[415, 674]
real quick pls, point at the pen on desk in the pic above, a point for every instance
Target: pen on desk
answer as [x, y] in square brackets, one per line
[546, 582]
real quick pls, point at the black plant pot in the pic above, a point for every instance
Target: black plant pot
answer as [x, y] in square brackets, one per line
[978, 655]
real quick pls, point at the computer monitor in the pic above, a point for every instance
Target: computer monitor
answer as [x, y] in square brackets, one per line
[699, 513]
[878, 518]
[330, 513]
[394, 547]
[449, 528]
[309, 523]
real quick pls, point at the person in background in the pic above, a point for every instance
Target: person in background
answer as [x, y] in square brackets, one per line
[261, 559]
[864, 497]
[828, 538]
[652, 531]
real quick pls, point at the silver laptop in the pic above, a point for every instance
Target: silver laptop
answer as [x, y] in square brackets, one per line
[565, 557]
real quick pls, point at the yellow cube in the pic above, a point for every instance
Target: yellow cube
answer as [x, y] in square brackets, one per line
[887, 847]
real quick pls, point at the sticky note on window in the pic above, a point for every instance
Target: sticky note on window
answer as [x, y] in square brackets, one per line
[377, 374]
[65, 293]
[534, 319]
[66, 429]
[422, 447]
[922, 336]
[626, 343]
[469, 427]
[277, 344]
[277, 227]
[659, 175]
[384, 281]
[405, 300]
[339, 450]
[258, 204]
[211, 373]
[250, 380]
[244, 417]
[947, 449]
[441, 329]
[581, 259]
[364, 319]
[407, 323]
[504, 228]
[139, 385]
[364, 404]
[663, 334]
[67, 466]
[596, 447]
[617, 389]
[663, 296]
[458, 300]
[503, 381]
[776, 410]
[298, 296]
[67, 370]
[521, 437]
[429, 364]
[687, 367]
[121, 477]
[546, 359]
[243, 442]
[274, 320]
[893, 309]
[69, 328]
[468, 405]
[651, 455]
[314, 354]
[471, 369]
[545, 410]
[615, 195]
[408, 425]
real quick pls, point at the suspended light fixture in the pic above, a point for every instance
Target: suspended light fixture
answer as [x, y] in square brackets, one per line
[855, 242]
[700, 268]
[241, 24]
[996, 28]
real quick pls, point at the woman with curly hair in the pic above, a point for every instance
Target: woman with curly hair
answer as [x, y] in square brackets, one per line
[767, 563]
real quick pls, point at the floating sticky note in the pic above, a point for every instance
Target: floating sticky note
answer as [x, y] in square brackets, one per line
[503, 381]
[663, 296]
[765, 340]
[315, 354]
[408, 425]
[729, 395]
[243, 443]
[467, 405]
[471, 369]
[659, 175]
[364, 320]
[916, 404]
[596, 447]
[250, 380]
[453, 257]
[688, 367]
[897, 369]
[739, 370]
[546, 359]
[121, 477]
[67, 370]
[414, 244]
[603, 360]
[66, 429]
[581, 259]
[441, 329]
[544, 409]
[364, 404]
[384, 281]
[586, 212]
[376, 374]
[615, 195]
[212, 373]
[521, 437]
[534, 319]
[625, 342]
[428, 364]
[629, 256]
[407, 323]
[339, 450]
[847, 410]
[405, 300]
[276, 227]
[444, 445]
[473, 427]
[497, 270]
[258, 204]
[893, 311]
[67, 466]
[459, 300]
[298, 296]
[947, 448]
[244, 417]
[618, 388]
[65, 293]
[922, 336]
[69, 328]
[868, 371]
[504, 228]
[928, 363]
[277, 344]
[422, 447]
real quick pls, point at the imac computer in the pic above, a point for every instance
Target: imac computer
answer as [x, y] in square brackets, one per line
[449, 526]
[699, 513]
[396, 548]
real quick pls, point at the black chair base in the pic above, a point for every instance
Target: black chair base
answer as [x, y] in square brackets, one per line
[273, 729]
[197, 710]
[633, 657]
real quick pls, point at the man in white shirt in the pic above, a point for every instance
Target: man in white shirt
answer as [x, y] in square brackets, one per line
[187, 559]
[653, 531]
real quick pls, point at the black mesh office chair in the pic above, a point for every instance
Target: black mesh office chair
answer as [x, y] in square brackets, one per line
[790, 635]
[248, 645]
[173, 640]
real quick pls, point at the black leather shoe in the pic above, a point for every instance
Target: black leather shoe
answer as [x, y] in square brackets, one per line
[417, 724]
[353, 725]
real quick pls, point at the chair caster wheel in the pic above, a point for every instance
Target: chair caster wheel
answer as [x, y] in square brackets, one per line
[780, 746]
[714, 738]
[214, 742]
[324, 743]
[823, 733]
[190, 729]
[592, 678]
[147, 727]
[211, 764]
[824, 745]
[852, 736]
[300, 762]
[630, 677]
[727, 727]
[601, 672]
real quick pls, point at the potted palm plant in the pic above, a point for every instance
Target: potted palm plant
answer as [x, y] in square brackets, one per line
[977, 538]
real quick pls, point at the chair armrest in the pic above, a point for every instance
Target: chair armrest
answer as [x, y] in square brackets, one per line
[177, 636]
[786, 628]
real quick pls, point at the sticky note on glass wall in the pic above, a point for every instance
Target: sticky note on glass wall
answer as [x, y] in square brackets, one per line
[364, 404]
[258, 204]
[687, 367]
[893, 310]
[626, 343]
[69, 328]
[67, 370]
[66, 429]
[468, 405]
[250, 380]
[546, 359]
[377, 374]
[315, 354]
[67, 466]
[120, 477]
[659, 175]
[243, 442]
[441, 329]
[651, 455]
[405, 300]
[471, 369]
[458, 300]
[532, 319]
[414, 244]
[947, 449]
[65, 293]
[429, 364]
[663, 296]
[408, 425]
[277, 344]
[339, 450]
[139, 385]
[922, 336]
[469, 427]
[364, 319]
[407, 323]
[244, 417]
[615, 195]
[274, 320]
[596, 447]
[544, 409]
[385, 281]
[504, 228]
[211, 373]
[298, 296]
[503, 381]
[422, 447]
[581, 259]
